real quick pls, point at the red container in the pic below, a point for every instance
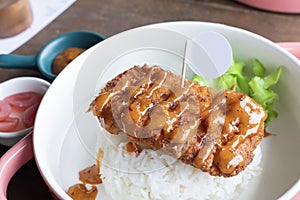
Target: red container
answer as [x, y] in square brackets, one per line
[282, 6]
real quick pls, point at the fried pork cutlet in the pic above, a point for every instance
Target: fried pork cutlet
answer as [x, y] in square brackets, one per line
[215, 131]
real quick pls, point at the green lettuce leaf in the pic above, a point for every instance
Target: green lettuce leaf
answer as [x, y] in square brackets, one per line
[258, 68]
[257, 86]
[272, 114]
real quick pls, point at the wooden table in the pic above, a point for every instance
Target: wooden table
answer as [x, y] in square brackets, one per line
[109, 17]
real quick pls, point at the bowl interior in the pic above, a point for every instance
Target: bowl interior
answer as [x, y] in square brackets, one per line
[59, 139]
[80, 39]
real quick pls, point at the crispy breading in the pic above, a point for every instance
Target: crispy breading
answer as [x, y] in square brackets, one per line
[215, 131]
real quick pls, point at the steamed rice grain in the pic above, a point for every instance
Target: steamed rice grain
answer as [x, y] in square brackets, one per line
[153, 176]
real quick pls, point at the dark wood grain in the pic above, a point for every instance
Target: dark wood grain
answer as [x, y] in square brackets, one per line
[109, 17]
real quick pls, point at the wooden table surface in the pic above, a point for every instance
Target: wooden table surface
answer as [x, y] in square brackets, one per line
[109, 17]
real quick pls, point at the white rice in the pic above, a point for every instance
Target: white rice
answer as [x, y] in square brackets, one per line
[154, 176]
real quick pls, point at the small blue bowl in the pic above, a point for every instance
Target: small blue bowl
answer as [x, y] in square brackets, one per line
[43, 60]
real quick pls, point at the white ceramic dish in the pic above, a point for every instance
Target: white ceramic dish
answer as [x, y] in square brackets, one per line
[60, 169]
[17, 85]
[61, 148]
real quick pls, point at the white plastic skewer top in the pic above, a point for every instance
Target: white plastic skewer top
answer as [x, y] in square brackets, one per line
[208, 55]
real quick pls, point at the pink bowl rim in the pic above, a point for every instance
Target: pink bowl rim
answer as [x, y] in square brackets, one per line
[286, 6]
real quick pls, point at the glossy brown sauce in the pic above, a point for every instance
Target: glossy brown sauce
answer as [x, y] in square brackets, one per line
[215, 120]
[151, 107]
[150, 96]
[64, 58]
[132, 147]
[90, 175]
[267, 134]
[80, 192]
[241, 118]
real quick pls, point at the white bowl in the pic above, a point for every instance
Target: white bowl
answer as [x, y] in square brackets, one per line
[62, 150]
[17, 85]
